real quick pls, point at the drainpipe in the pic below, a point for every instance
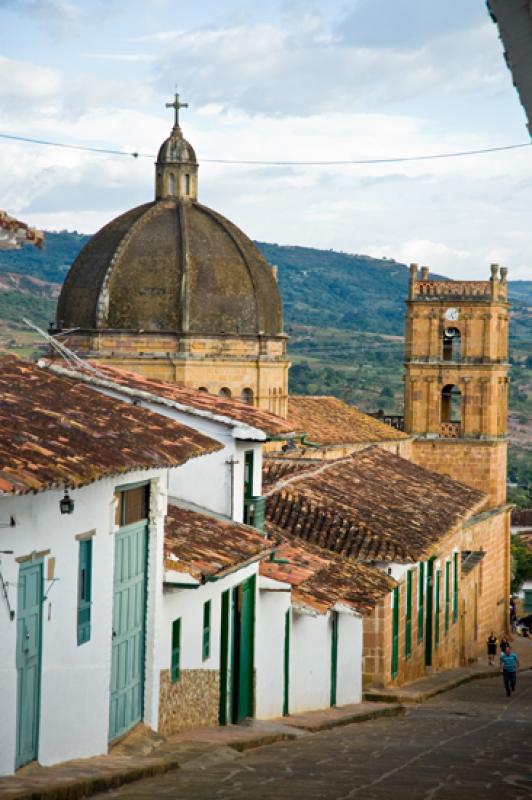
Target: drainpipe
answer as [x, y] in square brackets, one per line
[232, 461]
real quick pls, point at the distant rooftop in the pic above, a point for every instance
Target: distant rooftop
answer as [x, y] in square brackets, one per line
[329, 421]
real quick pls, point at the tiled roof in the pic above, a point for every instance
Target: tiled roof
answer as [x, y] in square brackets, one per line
[203, 545]
[233, 411]
[327, 420]
[521, 517]
[275, 470]
[525, 537]
[55, 431]
[13, 233]
[321, 579]
[372, 505]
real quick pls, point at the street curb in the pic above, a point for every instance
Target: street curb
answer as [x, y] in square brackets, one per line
[77, 789]
[378, 697]
[327, 725]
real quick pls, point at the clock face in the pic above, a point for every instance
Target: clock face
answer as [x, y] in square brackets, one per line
[452, 314]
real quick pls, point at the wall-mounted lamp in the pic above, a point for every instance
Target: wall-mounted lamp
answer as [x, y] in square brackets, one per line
[66, 504]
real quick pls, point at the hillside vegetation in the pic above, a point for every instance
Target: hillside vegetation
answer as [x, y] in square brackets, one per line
[344, 314]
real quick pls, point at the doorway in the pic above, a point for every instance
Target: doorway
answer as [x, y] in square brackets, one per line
[28, 660]
[243, 641]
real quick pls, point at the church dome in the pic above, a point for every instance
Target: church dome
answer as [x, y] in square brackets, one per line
[172, 265]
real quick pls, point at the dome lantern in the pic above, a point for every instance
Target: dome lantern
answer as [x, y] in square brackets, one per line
[176, 168]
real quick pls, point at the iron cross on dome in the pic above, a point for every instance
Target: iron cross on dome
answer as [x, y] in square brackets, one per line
[176, 105]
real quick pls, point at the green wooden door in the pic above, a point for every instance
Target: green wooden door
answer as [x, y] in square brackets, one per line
[428, 612]
[334, 656]
[129, 614]
[243, 646]
[286, 665]
[28, 660]
[224, 656]
[395, 633]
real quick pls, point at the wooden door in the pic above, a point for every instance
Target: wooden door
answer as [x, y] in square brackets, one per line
[242, 678]
[429, 612]
[334, 656]
[28, 660]
[129, 615]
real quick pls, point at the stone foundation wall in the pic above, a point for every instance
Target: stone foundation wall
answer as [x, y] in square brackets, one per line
[191, 702]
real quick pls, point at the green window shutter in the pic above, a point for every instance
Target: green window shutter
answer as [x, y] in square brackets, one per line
[408, 625]
[437, 609]
[84, 590]
[206, 638]
[420, 601]
[455, 587]
[176, 650]
[395, 632]
[447, 593]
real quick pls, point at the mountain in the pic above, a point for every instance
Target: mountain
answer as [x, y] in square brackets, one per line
[355, 292]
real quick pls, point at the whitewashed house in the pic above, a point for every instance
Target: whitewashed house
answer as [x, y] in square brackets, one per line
[312, 605]
[83, 482]
[242, 429]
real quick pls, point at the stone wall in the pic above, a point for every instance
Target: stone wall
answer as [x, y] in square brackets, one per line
[482, 607]
[481, 465]
[190, 702]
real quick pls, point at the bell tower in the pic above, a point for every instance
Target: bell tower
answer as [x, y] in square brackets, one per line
[456, 381]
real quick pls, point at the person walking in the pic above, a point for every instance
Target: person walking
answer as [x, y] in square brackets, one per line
[492, 648]
[509, 666]
[503, 643]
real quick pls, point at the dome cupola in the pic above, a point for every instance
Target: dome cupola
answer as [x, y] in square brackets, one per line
[176, 168]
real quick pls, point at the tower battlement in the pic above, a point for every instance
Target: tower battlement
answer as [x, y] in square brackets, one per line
[496, 288]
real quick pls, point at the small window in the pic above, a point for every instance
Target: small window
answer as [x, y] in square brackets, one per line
[171, 183]
[206, 639]
[132, 505]
[176, 650]
[247, 396]
[187, 184]
[224, 392]
[203, 389]
[84, 590]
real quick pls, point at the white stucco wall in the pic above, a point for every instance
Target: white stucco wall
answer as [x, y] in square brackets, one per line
[310, 663]
[271, 611]
[74, 708]
[206, 481]
[349, 676]
[187, 604]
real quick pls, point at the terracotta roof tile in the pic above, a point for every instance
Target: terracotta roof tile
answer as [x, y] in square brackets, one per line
[372, 505]
[521, 517]
[328, 420]
[56, 431]
[320, 579]
[204, 545]
[275, 470]
[231, 409]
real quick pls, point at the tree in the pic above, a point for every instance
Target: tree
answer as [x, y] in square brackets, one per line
[521, 564]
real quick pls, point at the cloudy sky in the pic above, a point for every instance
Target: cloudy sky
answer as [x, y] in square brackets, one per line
[276, 81]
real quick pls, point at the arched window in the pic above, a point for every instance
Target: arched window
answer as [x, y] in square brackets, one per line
[451, 344]
[224, 392]
[203, 389]
[451, 404]
[187, 184]
[247, 395]
[171, 183]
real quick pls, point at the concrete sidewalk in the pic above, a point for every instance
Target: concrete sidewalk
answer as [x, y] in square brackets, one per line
[421, 690]
[144, 753]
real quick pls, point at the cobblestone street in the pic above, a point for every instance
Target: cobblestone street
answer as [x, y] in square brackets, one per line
[468, 743]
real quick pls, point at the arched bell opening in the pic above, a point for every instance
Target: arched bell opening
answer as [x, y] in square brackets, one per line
[451, 411]
[452, 344]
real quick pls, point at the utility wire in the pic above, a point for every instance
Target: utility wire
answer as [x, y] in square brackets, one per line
[257, 162]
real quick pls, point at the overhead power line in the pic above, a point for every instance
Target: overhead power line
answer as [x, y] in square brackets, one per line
[266, 163]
